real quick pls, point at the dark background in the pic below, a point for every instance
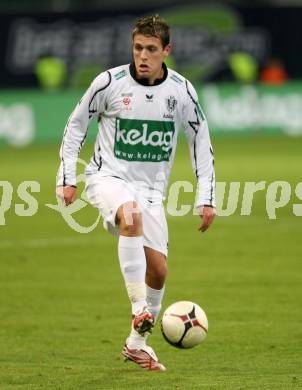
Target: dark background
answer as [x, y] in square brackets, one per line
[281, 23]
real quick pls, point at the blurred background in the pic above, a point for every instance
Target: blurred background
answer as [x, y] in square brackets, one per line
[242, 58]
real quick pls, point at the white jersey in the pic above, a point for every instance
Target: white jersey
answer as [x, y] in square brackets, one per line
[138, 127]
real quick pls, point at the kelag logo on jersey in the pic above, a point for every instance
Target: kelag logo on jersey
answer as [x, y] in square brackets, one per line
[143, 140]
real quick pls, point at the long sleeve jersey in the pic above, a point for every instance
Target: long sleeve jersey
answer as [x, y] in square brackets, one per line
[138, 127]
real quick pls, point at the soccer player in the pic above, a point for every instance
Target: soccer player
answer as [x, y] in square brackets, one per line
[140, 108]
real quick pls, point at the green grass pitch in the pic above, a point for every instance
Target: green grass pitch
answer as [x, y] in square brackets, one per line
[64, 313]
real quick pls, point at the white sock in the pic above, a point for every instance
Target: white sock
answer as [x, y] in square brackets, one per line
[133, 265]
[135, 340]
[154, 299]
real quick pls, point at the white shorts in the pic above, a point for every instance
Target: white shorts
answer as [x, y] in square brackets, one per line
[108, 193]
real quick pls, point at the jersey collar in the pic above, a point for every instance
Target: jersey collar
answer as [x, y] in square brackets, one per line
[145, 81]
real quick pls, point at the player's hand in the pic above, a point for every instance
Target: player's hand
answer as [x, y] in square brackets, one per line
[67, 194]
[207, 214]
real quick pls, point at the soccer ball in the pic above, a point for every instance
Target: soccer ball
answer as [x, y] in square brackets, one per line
[184, 324]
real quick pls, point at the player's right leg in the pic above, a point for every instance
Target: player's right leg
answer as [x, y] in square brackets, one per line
[135, 348]
[133, 263]
[121, 216]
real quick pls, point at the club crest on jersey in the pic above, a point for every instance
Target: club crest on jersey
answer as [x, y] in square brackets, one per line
[171, 103]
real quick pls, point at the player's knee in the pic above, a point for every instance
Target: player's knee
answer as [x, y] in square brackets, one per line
[159, 272]
[131, 230]
[162, 271]
[129, 219]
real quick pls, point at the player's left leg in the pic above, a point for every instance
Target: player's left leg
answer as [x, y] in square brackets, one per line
[155, 279]
[156, 251]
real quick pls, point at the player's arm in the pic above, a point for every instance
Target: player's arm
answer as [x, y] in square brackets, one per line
[202, 157]
[91, 104]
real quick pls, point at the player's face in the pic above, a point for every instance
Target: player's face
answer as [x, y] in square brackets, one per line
[149, 54]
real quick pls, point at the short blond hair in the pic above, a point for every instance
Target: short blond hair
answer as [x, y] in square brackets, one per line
[153, 26]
